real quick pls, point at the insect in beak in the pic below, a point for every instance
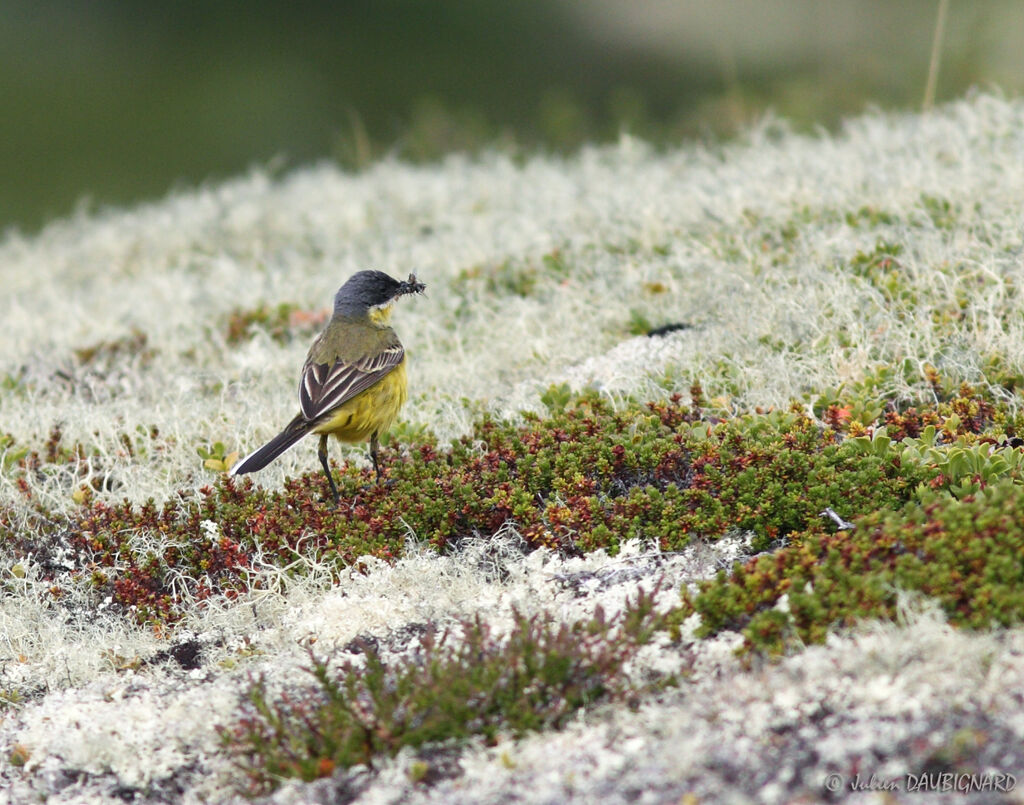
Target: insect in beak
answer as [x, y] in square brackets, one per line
[412, 285]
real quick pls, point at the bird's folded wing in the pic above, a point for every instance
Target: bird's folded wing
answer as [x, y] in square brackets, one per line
[326, 386]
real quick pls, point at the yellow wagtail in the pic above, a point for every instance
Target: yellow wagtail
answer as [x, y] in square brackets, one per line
[353, 381]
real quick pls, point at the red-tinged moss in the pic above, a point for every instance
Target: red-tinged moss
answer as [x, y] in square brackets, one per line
[910, 423]
[282, 323]
[960, 409]
[586, 478]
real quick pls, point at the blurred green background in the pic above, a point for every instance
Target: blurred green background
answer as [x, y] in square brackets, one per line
[108, 102]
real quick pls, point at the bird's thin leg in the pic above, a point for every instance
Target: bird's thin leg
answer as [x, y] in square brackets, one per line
[374, 455]
[322, 452]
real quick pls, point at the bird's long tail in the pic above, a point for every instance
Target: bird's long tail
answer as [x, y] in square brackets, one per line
[258, 459]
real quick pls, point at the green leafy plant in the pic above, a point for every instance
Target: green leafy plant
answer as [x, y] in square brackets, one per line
[10, 452]
[216, 457]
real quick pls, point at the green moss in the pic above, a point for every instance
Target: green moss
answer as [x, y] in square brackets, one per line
[942, 213]
[870, 218]
[964, 554]
[881, 268]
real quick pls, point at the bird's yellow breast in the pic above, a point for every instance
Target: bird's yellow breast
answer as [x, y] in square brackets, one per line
[371, 411]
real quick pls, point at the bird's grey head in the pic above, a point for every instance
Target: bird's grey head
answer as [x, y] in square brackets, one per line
[366, 290]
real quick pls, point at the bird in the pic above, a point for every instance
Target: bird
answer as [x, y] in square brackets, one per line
[354, 381]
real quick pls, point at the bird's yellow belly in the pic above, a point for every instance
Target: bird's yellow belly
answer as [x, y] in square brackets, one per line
[371, 411]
